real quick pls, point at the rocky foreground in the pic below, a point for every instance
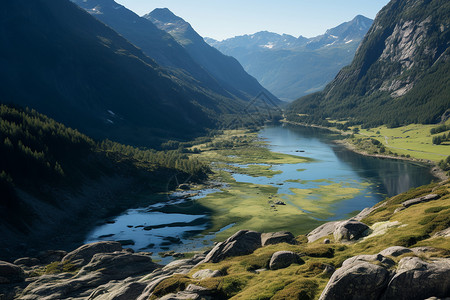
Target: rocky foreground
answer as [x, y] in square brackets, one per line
[105, 270]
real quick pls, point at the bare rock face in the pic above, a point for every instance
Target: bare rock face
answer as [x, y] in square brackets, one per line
[350, 230]
[206, 273]
[27, 261]
[273, 238]
[416, 279]
[283, 259]
[10, 273]
[322, 231]
[423, 199]
[82, 256]
[242, 242]
[376, 258]
[360, 281]
[395, 251]
[49, 256]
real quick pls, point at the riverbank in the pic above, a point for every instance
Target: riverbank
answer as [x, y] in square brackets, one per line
[367, 150]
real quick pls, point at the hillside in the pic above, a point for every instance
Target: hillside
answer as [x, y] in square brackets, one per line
[293, 67]
[400, 73]
[55, 181]
[62, 62]
[225, 69]
[157, 44]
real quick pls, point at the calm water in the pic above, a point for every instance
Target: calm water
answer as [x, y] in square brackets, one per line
[377, 178]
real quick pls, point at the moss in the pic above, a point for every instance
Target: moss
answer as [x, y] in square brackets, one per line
[301, 289]
[319, 251]
[254, 262]
[60, 267]
[173, 284]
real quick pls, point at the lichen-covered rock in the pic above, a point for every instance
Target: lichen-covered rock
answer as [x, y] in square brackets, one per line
[242, 242]
[395, 251]
[10, 273]
[350, 230]
[283, 259]
[362, 281]
[82, 255]
[206, 273]
[273, 238]
[416, 279]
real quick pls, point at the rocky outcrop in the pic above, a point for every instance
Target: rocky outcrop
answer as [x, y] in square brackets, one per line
[191, 292]
[358, 280]
[395, 251]
[423, 199]
[242, 242]
[83, 255]
[322, 231]
[206, 273]
[350, 230]
[376, 259]
[277, 238]
[416, 279]
[10, 273]
[27, 261]
[283, 259]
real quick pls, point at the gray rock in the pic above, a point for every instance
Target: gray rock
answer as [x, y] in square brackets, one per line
[350, 230]
[443, 233]
[10, 273]
[283, 259]
[242, 242]
[326, 241]
[27, 261]
[363, 281]
[376, 258]
[273, 238]
[422, 250]
[322, 231]
[191, 292]
[49, 256]
[82, 256]
[395, 251]
[128, 291]
[328, 269]
[426, 198]
[416, 279]
[206, 273]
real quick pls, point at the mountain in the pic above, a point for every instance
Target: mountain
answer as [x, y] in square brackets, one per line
[155, 43]
[400, 73]
[225, 69]
[292, 67]
[59, 60]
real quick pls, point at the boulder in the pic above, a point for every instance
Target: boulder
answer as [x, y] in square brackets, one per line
[426, 198]
[322, 231]
[119, 265]
[362, 281]
[273, 238]
[206, 273]
[27, 261]
[82, 255]
[283, 259]
[326, 241]
[242, 242]
[127, 291]
[376, 258]
[443, 233]
[416, 279]
[350, 230]
[191, 292]
[49, 256]
[10, 273]
[395, 251]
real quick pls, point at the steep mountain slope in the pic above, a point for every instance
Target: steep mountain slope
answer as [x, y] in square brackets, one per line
[58, 59]
[227, 70]
[292, 67]
[400, 73]
[155, 43]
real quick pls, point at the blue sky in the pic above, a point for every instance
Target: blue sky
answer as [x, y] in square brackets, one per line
[221, 19]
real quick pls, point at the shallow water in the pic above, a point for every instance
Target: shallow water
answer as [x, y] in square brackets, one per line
[375, 178]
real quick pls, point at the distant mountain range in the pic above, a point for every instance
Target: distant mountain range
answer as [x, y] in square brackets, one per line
[400, 74]
[206, 67]
[291, 67]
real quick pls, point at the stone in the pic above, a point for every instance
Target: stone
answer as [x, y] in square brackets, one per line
[426, 198]
[82, 255]
[322, 231]
[326, 241]
[10, 273]
[206, 273]
[443, 233]
[130, 290]
[49, 256]
[350, 230]
[27, 261]
[395, 251]
[242, 242]
[416, 279]
[362, 281]
[376, 258]
[273, 238]
[283, 259]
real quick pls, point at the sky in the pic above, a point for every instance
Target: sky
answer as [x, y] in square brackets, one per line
[221, 19]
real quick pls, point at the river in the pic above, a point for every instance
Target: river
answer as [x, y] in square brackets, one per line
[369, 179]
